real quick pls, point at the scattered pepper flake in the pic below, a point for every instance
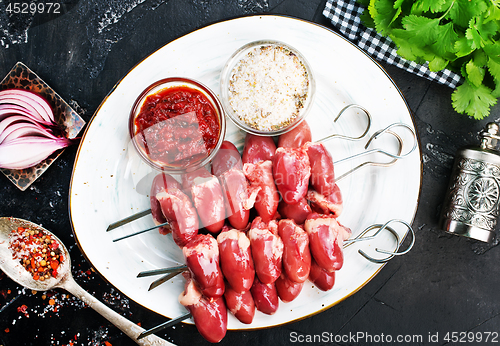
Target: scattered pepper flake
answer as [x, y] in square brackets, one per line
[51, 301]
[23, 309]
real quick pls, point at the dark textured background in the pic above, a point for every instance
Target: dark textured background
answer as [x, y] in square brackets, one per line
[445, 284]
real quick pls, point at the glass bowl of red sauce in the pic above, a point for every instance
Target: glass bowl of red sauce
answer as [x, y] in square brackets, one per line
[267, 87]
[177, 124]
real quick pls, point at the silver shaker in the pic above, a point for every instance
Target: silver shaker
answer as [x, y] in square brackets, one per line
[471, 206]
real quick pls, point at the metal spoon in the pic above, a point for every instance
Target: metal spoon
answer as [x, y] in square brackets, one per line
[13, 269]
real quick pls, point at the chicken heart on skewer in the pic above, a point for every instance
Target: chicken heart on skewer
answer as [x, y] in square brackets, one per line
[326, 236]
[161, 182]
[236, 259]
[178, 210]
[210, 316]
[207, 196]
[239, 197]
[202, 259]
[267, 249]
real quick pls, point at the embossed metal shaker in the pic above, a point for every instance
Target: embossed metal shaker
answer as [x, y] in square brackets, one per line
[471, 206]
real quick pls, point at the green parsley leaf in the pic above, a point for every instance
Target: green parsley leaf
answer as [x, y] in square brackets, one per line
[475, 101]
[437, 64]
[421, 29]
[433, 6]
[480, 58]
[407, 48]
[463, 47]
[496, 92]
[493, 51]
[473, 36]
[398, 3]
[481, 33]
[475, 74]
[494, 69]
[493, 13]
[367, 20]
[383, 22]
[462, 11]
[445, 41]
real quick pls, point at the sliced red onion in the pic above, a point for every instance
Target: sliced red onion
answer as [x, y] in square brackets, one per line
[28, 100]
[7, 110]
[35, 97]
[26, 129]
[28, 107]
[12, 119]
[23, 129]
[5, 123]
[24, 152]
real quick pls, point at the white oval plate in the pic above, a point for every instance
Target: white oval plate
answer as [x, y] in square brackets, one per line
[110, 181]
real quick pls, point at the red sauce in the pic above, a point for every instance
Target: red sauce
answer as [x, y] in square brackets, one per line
[177, 126]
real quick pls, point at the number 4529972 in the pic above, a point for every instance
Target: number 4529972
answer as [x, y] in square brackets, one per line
[33, 8]
[467, 337]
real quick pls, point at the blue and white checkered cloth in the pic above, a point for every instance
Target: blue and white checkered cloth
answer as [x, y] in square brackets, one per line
[344, 15]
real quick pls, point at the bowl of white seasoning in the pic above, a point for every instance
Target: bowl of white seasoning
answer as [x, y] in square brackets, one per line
[267, 88]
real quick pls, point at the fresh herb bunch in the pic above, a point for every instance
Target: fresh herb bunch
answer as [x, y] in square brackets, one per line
[461, 35]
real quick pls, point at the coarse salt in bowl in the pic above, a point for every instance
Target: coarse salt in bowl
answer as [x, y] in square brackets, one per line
[177, 124]
[267, 88]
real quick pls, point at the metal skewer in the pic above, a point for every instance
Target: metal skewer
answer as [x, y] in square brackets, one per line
[362, 237]
[163, 279]
[349, 138]
[171, 272]
[128, 219]
[142, 231]
[395, 157]
[164, 325]
[162, 271]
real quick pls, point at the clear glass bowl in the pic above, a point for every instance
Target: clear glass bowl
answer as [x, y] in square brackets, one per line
[148, 143]
[248, 81]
